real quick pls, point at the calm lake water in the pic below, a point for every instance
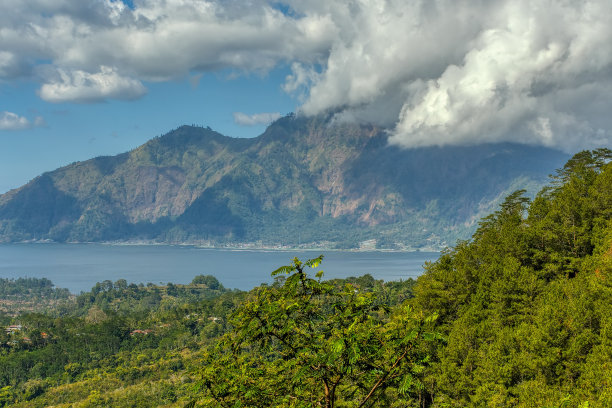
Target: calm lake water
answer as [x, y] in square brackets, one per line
[79, 266]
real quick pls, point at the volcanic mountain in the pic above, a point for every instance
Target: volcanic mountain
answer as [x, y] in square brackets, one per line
[304, 181]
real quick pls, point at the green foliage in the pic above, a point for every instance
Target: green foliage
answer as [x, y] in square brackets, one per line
[525, 303]
[209, 281]
[128, 345]
[29, 294]
[124, 298]
[24, 288]
[304, 342]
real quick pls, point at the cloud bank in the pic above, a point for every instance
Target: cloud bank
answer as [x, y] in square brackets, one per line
[433, 72]
[256, 119]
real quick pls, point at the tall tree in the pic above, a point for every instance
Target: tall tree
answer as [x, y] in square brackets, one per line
[304, 342]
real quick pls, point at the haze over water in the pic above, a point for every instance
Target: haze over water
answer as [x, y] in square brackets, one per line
[79, 266]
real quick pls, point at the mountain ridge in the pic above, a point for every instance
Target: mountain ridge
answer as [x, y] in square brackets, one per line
[304, 180]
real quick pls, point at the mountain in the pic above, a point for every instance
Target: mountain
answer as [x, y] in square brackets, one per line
[303, 181]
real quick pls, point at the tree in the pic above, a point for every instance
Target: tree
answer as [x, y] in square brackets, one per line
[210, 281]
[525, 304]
[583, 165]
[303, 342]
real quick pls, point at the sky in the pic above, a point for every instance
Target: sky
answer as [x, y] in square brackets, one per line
[83, 78]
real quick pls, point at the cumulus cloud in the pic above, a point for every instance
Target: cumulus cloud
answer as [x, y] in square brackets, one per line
[456, 72]
[520, 81]
[100, 49]
[256, 119]
[81, 86]
[433, 72]
[10, 66]
[12, 121]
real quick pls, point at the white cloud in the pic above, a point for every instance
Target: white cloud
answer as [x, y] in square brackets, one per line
[455, 72]
[256, 119]
[158, 40]
[81, 86]
[509, 85]
[12, 121]
[9, 65]
[434, 72]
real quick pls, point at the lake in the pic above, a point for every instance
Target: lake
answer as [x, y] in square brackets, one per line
[79, 266]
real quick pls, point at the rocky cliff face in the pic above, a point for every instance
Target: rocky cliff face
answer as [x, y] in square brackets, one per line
[303, 180]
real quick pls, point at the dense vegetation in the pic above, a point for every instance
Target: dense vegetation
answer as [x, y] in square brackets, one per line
[517, 316]
[132, 345]
[304, 343]
[18, 295]
[526, 304]
[24, 288]
[133, 337]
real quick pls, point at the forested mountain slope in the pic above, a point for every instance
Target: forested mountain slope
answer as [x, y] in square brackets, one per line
[526, 304]
[329, 182]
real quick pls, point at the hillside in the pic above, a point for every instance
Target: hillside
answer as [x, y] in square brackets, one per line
[303, 181]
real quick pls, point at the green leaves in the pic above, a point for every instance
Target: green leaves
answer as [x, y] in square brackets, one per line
[283, 270]
[313, 263]
[525, 305]
[306, 342]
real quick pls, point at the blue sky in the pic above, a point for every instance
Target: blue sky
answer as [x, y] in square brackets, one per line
[82, 78]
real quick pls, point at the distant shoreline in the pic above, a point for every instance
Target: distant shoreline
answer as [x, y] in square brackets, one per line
[236, 247]
[78, 267]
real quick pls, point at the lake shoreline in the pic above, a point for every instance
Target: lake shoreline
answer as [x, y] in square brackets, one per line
[79, 266]
[237, 246]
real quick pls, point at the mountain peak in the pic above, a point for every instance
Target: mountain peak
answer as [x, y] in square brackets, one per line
[335, 183]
